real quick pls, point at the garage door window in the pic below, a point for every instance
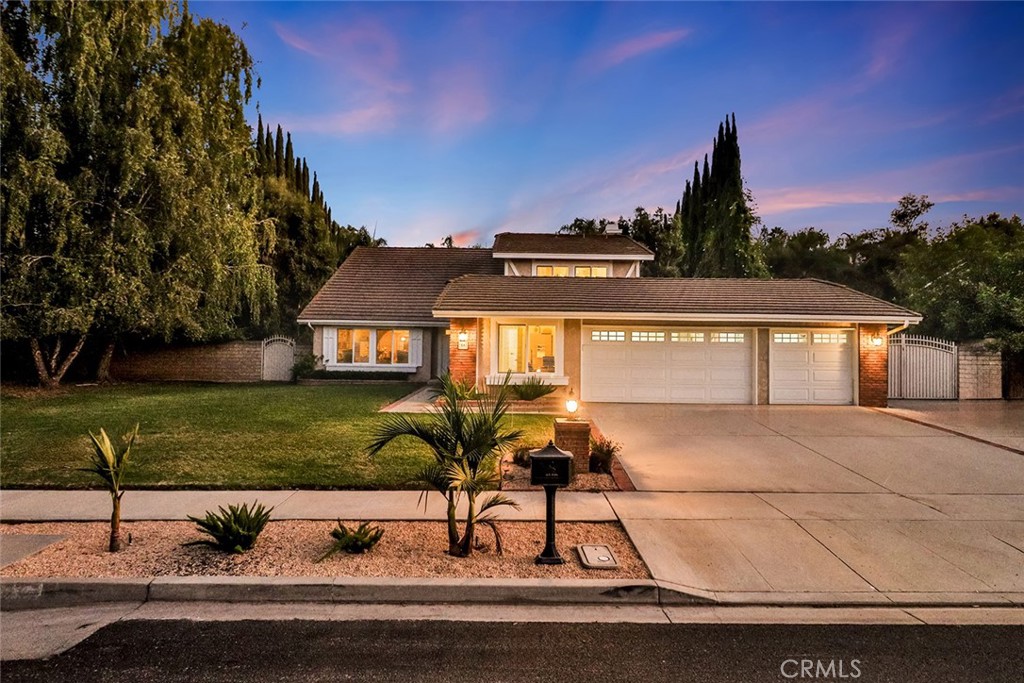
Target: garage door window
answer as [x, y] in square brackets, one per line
[688, 337]
[607, 335]
[789, 338]
[830, 338]
[727, 337]
[645, 336]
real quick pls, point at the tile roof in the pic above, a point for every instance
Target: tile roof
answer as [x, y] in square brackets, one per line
[684, 297]
[396, 284]
[548, 243]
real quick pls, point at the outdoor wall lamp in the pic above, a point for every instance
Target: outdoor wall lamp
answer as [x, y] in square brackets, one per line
[463, 339]
[571, 404]
[876, 341]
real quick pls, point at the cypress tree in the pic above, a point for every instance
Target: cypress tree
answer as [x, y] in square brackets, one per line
[297, 176]
[261, 158]
[305, 178]
[316, 192]
[268, 153]
[289, 160]
[279, 153]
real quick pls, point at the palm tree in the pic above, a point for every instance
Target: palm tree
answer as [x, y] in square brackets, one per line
[110, 463]
[467, 438]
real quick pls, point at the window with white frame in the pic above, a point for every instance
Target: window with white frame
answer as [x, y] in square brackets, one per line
[607, 335]
[552, 271]
[688, 337]
[647, 336]
[830, 338]
[372, 346]
[789, 338]
[526, 348]
[728, 337]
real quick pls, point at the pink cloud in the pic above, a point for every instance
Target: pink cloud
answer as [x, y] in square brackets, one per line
[374, 118]
[466, 238]
[461, 100]
[635, 47]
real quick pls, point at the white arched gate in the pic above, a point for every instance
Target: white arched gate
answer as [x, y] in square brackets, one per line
[922, 367]
[278, 359]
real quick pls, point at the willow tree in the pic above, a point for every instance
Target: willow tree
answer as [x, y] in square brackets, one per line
[128, 193]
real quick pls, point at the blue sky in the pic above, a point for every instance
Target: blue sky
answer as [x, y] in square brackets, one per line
[427, 119]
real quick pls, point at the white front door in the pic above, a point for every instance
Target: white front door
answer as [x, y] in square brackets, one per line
[667, 365]
[811, 366]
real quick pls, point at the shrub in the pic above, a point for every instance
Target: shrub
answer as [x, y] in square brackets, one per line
[601, 453]
[521, 456]
[234, 530]
[305, 365]
[353, 541]
[110, 464]
[531, 389]
[356, 375]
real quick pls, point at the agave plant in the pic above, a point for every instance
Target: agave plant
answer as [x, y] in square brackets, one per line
[355, 541]
[110, 463]
[467, 438]
[234, 530]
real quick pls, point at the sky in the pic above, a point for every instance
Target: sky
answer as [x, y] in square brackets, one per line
[469, 119]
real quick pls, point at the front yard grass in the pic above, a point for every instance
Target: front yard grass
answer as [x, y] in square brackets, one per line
[217, 436]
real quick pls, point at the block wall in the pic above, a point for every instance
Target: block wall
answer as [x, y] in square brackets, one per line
[240, 361]
[980, 371]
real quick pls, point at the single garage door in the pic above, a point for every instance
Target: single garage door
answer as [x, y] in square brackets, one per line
[811, 366]
[667, 365]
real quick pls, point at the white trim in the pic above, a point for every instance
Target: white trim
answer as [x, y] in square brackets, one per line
[330, 351]
[634, 270]
[570, 265]
[376, 323]
[366, 367]
[576, 257]
[748, 318]
[509, 265]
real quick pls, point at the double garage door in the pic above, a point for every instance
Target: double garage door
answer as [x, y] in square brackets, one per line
[691, 365]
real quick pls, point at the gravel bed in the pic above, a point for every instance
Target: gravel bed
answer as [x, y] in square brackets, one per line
[291, 548]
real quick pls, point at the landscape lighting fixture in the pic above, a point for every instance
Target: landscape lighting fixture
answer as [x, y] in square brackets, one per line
[571, 405]
[876, 341]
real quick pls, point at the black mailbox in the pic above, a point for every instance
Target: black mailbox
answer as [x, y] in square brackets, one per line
[550, 466]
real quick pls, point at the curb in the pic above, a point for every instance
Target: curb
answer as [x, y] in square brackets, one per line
[19, 594]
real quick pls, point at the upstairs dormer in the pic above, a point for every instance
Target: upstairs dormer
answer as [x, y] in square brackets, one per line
[534, 254]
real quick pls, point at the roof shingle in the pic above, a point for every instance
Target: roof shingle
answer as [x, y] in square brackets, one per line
[815, 299]
[552, 244]
[398, 284]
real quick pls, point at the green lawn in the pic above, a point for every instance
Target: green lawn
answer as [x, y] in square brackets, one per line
[217, 436]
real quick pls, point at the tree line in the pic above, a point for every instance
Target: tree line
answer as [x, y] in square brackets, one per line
[967, 279]
[135, 202]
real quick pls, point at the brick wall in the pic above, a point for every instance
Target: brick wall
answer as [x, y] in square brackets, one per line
[574, 436]
[873, 366]
[980, 371]
[462, 362]
[240, 361]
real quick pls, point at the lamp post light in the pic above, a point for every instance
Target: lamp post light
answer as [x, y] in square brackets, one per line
[571, 405]
[550, 467]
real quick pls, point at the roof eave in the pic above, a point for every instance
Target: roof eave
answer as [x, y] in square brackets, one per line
[572, 256]
[684, 317]
[437, 321]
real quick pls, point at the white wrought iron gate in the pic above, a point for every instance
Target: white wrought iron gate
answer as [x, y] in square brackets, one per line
[278, 359]
[922, 367]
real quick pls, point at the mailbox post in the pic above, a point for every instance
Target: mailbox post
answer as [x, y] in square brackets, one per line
[550, 467]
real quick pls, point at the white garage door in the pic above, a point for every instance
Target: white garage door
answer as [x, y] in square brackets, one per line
[811, 366]
[667, 365]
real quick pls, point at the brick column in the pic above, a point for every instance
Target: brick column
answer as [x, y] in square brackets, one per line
[574, 436]
[874, 366]
[462, 362]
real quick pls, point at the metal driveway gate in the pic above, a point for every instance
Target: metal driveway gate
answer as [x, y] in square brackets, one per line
[922, 367]
[278, 359]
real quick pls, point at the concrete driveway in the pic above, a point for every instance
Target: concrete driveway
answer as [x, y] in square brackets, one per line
[818, 503]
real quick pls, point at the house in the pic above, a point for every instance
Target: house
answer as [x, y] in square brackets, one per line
[575, 312]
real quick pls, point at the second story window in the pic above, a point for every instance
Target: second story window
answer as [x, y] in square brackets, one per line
[552, 271]
[591, 271]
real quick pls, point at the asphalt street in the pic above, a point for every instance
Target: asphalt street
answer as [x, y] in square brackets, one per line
[408, 651]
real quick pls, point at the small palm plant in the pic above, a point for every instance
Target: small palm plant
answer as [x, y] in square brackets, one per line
[467, 438]
[110, 463]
